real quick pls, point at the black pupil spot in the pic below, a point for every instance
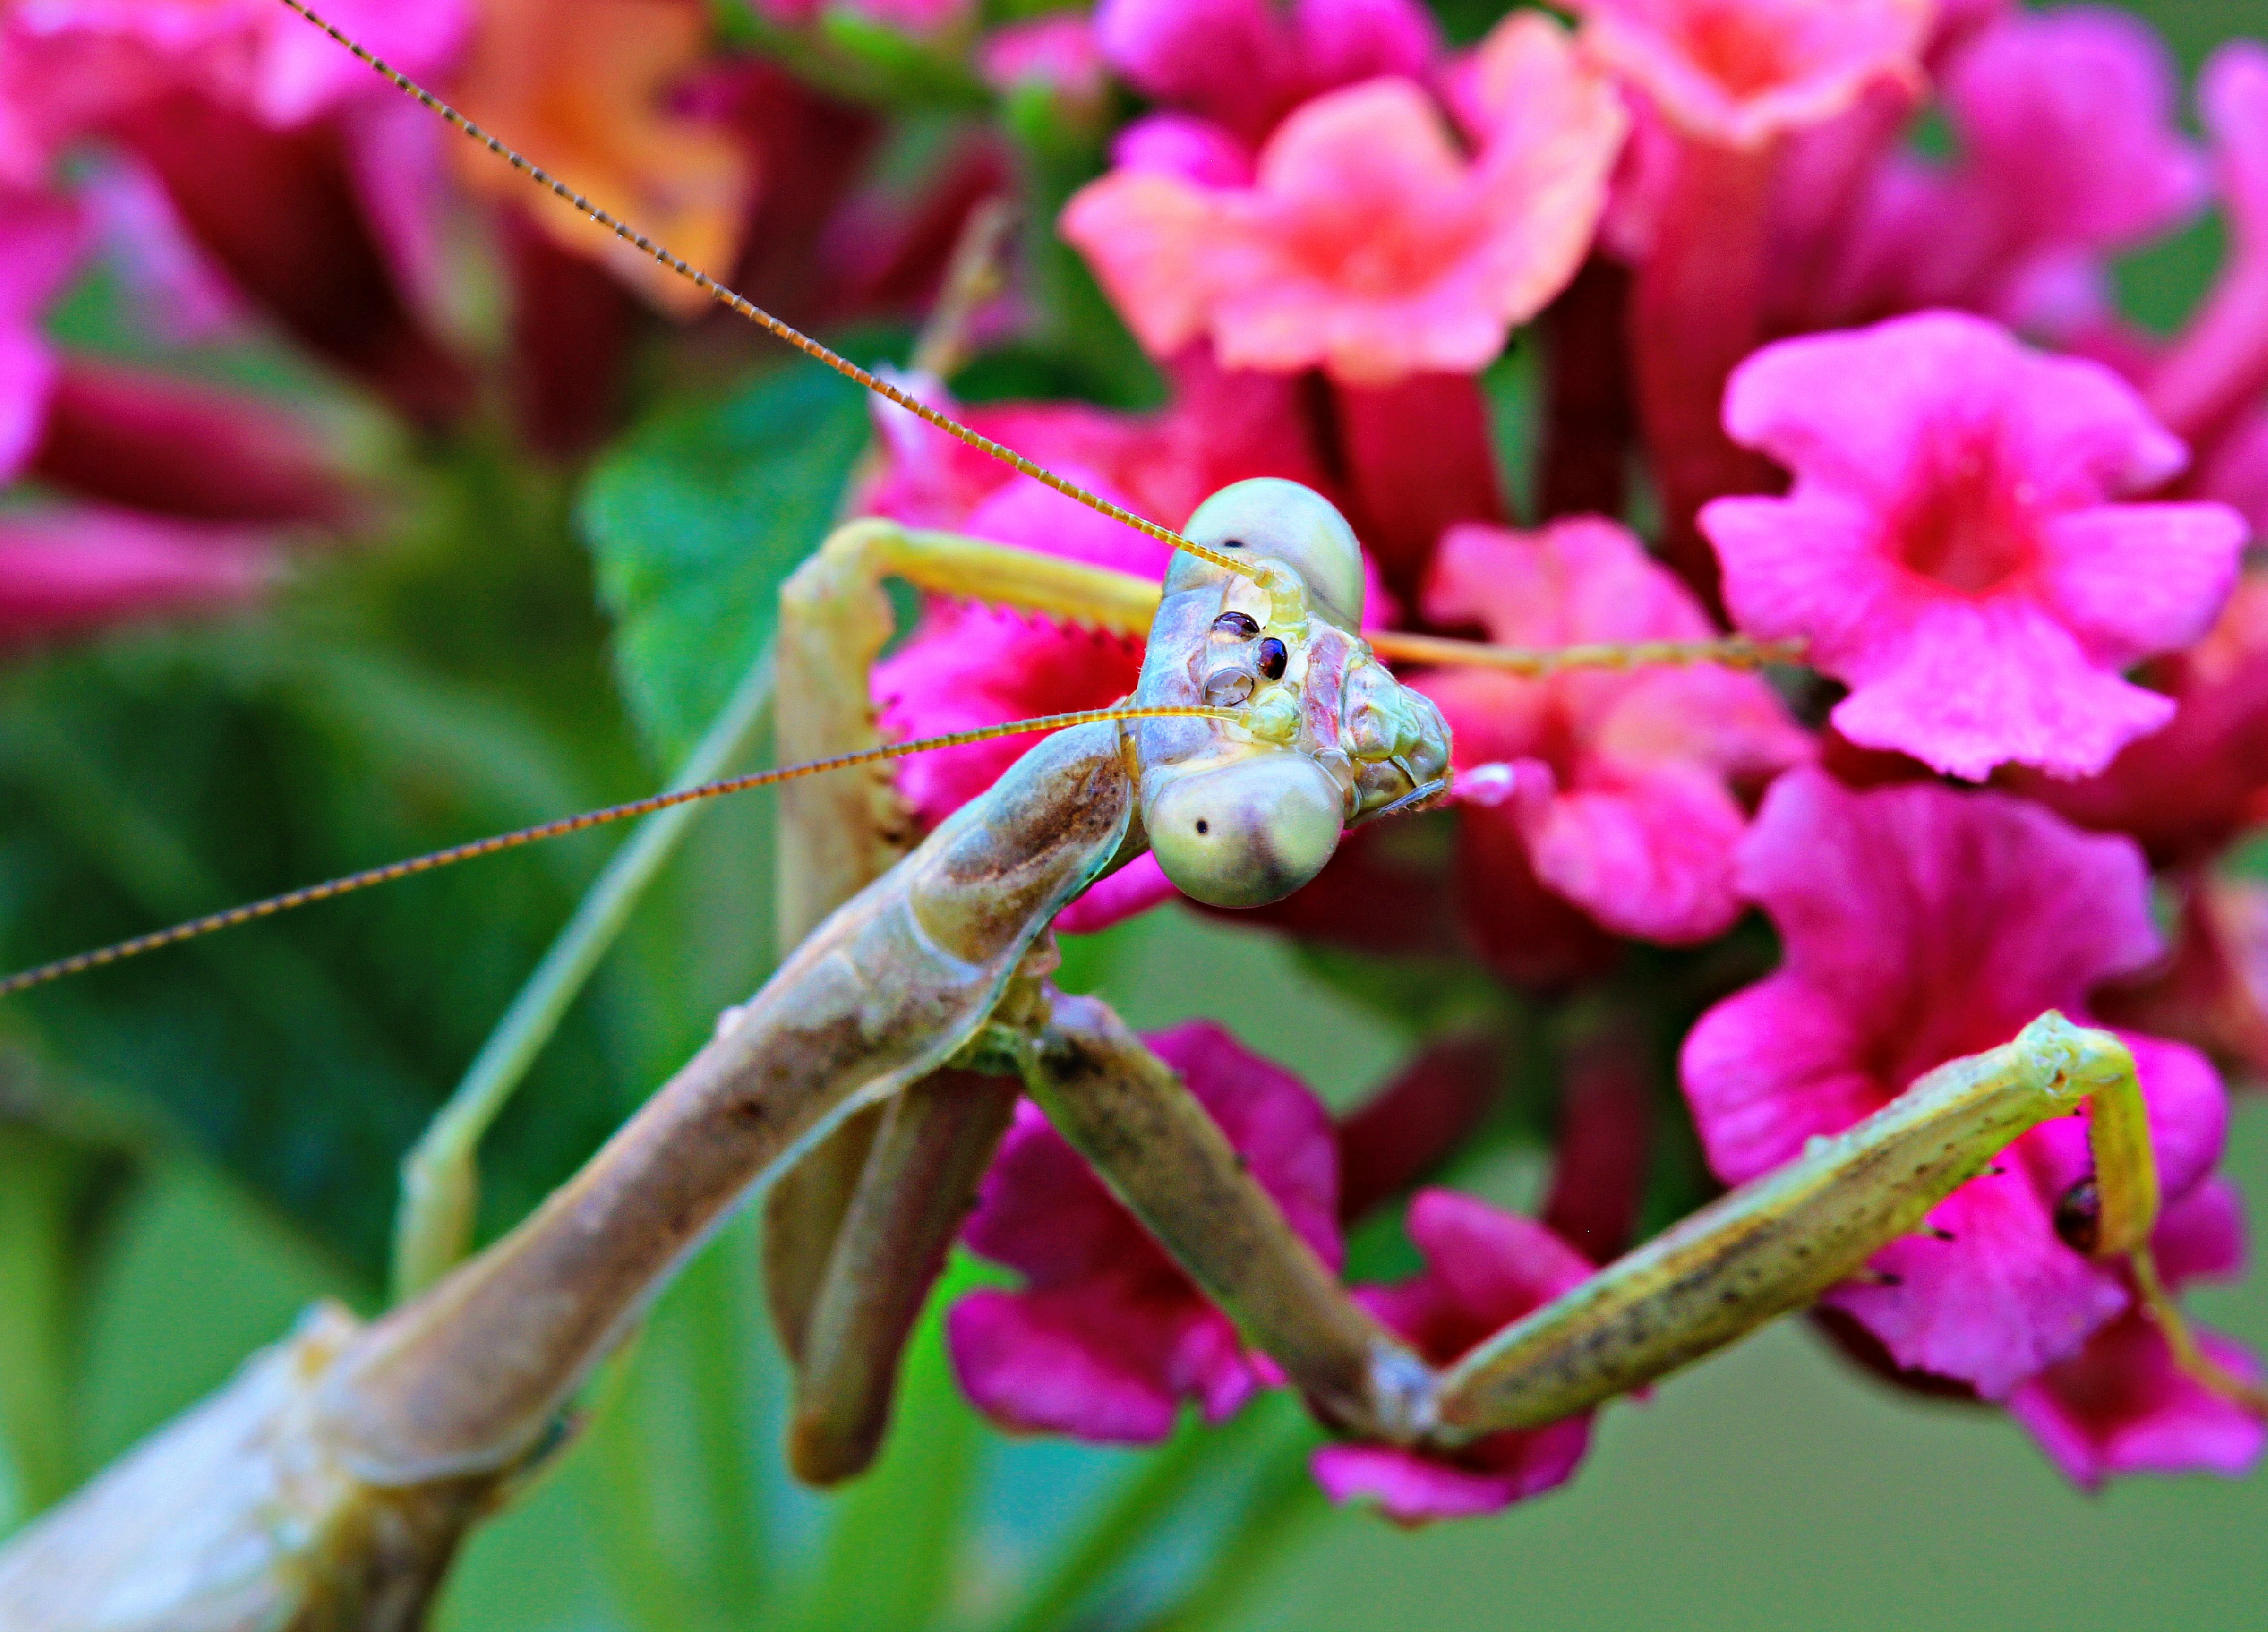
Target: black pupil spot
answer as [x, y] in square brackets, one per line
[2079, 1216]
[1231, 543]
[1237, 623]
[1205, 826]
[1273, 657]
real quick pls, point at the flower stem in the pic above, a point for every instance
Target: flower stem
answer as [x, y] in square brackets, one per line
[440, 1180]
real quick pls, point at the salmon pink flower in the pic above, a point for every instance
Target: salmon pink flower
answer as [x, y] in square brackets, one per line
[1367, 243]
[1619, 785]
[1108, 1337]
[2121, 1405]
[1736, 73]
[1922, 924]
[1953, 547]
[1484, 1269]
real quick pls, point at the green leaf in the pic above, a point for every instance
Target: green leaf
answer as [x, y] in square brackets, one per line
[695, 519]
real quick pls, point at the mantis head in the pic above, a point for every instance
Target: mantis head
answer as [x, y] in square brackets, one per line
[1242, 814]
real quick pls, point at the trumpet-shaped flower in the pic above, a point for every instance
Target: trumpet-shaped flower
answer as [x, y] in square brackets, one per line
[589, 85]
[66, 571]
[2121, 1405]
[2186, 791]
[1367, 242]
[1108, 1336]
[1954, 547]
[1619, 785]
[1922, 924]
[1484, 1270]
[67, 66]
[2069, 151]
[1736, 73]
[1240, 65]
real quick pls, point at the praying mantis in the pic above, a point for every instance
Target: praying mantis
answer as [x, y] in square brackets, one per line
[864, 1086]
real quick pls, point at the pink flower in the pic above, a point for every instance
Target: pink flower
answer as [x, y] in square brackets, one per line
[1618, 784]
[1367, 243]
[63, 572]
[41, 240]
[1108, 1336]
[1952, 548]
[2212, 992]
[1922, 924]
[2217, 369]
[2186, 791]
[2070, 151]
[67, 66]
[1241, 64]
[1484, 1269]
[1737, 73]
[2121, 1405]
[1057, 51]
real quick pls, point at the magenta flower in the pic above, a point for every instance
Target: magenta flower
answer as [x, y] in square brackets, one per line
[1737, 73]
[1953, 549]
[2070, 151]
[1367, 242]
[1057, 51]
[1108, 1337]
[1620, 785]
[1922, 924]
[1484, 1269]
[2186, 791]
[69, 65]
[2121, 1405]
[2217, 369]
[1240, 65]
[63, 572]
[2212, 992]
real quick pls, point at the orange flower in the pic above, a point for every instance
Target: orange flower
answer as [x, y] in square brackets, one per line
[582, 87]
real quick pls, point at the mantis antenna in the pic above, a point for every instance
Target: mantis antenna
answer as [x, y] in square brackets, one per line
[757, 315]
[560, 827]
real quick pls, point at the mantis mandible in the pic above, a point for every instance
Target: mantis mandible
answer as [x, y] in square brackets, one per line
[867, 1084]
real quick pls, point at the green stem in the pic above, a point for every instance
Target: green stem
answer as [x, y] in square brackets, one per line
[1125, 1524]
[1282, 1508]
[440, 1180]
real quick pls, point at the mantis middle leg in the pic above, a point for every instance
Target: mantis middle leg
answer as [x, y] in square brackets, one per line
[1769, 1247]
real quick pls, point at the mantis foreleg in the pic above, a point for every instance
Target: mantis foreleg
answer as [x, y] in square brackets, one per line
[856, 1231]
[885, 992]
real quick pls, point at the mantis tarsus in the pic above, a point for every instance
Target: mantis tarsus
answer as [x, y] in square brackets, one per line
[868, 1081]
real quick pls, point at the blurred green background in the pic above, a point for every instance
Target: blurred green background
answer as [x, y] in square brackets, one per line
[193, 1149]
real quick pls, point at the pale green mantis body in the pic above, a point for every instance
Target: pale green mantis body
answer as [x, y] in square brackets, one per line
[865, 1085]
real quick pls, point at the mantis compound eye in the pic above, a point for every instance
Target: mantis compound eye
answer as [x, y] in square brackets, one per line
[1246, 833]
[1283, 521]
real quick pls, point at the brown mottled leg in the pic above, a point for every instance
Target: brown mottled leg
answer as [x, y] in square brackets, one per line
[929, 1155]
[1124, 1110]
